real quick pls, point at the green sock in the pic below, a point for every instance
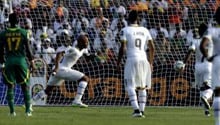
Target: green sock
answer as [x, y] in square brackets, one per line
[10, 99]
[27, 100]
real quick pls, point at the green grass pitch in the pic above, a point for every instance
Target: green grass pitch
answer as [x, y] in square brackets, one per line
[106, 116]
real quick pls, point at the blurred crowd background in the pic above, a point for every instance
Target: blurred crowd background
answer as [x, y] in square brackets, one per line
[54, 23]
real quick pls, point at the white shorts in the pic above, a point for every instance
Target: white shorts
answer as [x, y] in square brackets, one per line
[63, 74]
[137, 73]
[216, 72]
[203, 73]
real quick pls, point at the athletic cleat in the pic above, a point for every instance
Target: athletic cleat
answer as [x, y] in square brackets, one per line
[79, 104]
[142, 114]
[12, 114]
[28, 114]
[205, 102]
[207, 113]
[136, 113]
[31, 107]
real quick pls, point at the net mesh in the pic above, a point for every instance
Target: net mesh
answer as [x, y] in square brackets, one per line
[170, 23]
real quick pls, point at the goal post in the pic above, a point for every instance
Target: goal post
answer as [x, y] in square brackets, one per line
[171, 25]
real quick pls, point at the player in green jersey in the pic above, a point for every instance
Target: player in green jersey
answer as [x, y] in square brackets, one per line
[14, 48]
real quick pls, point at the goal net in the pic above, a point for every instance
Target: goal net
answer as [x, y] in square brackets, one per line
[171, 24]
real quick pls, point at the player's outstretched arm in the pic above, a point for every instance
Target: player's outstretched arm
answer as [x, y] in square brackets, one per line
[191, 50]
[187, 57]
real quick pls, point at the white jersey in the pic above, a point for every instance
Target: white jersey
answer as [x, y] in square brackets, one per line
[213, 34]
[202, 66]
[137, 71]
[195, 46]
[137, 40]
[72, 54]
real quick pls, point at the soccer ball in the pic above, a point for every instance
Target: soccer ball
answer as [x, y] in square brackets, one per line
[178, 65]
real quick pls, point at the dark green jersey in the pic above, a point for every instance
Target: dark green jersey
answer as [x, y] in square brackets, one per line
[14, 40]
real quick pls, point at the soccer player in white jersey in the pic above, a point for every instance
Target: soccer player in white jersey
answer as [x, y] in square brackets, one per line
[202, 67]
[137, 71]
[213, 37]
[65, 59]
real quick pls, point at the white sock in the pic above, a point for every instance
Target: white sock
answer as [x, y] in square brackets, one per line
[142, 98]
[216, 107]
[39, 95]
[80, 90]
[133, 98]
[207, 93]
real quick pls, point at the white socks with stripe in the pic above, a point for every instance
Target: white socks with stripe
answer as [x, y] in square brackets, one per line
[80, 90]
[133, 98]
[142, 98]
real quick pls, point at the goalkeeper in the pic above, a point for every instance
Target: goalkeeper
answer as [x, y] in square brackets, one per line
[66, 57]
[213, 37]
[202, 67]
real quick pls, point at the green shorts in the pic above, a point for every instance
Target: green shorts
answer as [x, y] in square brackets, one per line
[16, 73]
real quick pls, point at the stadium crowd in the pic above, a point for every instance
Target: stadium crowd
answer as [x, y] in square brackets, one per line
[172, 23]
